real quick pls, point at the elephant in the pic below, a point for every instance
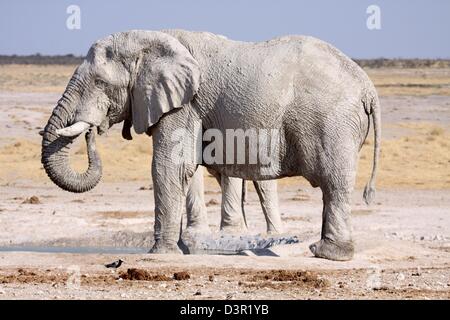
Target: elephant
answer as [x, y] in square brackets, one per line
[179, 85]
[233, 218]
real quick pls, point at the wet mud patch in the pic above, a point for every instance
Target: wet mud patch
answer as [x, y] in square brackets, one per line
[228, 244]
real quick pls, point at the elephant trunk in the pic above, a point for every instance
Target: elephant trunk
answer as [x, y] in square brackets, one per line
[55, 150]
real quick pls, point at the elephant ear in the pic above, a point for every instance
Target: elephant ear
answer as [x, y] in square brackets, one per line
[167, 77]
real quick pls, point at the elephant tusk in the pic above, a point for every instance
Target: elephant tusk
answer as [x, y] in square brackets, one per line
[74, 129]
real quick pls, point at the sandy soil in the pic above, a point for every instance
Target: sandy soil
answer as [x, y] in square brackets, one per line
[402, 241]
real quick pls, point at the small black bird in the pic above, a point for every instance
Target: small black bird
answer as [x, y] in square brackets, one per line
[114, 264]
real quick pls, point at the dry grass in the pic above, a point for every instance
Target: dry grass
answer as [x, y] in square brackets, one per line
[122, 160]
[389, 81]
[420, 160]
[35, 78]
[412, 82]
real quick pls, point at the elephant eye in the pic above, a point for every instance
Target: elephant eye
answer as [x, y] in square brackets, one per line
[100, 83]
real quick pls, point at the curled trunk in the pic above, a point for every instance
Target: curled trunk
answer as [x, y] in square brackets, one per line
[55, 152]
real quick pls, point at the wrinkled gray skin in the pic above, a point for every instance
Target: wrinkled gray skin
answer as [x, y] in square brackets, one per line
[320, 101]
[232, 211]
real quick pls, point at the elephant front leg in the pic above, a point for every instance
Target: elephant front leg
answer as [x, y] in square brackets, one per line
[169, 182]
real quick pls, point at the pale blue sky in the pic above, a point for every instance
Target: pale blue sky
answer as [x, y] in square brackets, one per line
[410, 28]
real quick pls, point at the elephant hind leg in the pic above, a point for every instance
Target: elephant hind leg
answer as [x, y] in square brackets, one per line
[336, 241]
[268, 196]
[232, 216]
[337, 186]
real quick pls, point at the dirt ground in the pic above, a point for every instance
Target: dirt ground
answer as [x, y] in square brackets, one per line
[402, 240]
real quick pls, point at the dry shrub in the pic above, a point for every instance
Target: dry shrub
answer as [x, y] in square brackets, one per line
[183, 275]
[28, 276]
[437, 131]
[32, 200]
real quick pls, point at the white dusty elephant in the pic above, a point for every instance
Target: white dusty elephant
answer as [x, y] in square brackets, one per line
[302, 98]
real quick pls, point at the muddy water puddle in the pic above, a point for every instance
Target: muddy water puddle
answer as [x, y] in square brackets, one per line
[104, 250]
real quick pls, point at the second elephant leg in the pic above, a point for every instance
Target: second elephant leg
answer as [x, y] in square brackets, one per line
[268, 196]
[196, 212]
[232, 218]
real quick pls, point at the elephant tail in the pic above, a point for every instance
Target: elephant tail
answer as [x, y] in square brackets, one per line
[372, 107]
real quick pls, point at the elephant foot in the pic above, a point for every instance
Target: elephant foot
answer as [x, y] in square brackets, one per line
[164, 248]
[327, 249]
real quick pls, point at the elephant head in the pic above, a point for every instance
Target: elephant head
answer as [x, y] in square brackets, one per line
[136, 77]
